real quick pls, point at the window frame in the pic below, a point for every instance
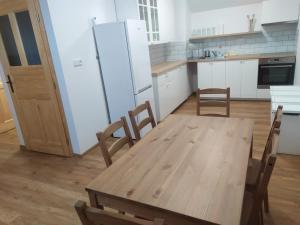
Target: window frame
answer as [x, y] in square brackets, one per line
[151, 17]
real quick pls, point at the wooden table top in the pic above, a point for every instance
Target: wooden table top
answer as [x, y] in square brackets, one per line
[194, 166]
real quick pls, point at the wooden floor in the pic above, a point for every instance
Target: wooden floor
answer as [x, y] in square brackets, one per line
[37, 189]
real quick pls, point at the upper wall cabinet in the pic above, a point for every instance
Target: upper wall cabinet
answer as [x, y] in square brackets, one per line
[141, 9]
[278, 11]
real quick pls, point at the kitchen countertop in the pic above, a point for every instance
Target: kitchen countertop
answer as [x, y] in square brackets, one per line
[247, 56]
[288, 97]
[165, 67]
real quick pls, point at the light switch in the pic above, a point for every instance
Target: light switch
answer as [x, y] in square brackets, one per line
[77, 62]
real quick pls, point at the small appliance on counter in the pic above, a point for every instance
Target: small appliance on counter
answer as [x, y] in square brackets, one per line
[289, 98]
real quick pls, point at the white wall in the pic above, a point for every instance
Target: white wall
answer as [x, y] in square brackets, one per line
[234, 18]
[127, 9]
[69, 29]
[166, 18]
[182, 20]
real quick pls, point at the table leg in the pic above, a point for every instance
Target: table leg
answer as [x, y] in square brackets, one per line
[93, 200]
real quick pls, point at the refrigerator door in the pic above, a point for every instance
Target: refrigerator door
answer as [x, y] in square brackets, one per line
[141, 98]
[139, 54]
[115, 69]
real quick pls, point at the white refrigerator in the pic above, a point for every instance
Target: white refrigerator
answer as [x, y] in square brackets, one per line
[125, 67]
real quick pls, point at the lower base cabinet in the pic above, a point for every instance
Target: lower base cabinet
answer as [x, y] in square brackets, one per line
[240, 75]
[170, 90]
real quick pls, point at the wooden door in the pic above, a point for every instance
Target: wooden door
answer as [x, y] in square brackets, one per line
[6, 120]
[30, 76]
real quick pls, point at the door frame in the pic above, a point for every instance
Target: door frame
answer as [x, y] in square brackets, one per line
[33, 6]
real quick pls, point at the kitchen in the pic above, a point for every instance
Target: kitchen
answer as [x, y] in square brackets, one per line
[165, 50]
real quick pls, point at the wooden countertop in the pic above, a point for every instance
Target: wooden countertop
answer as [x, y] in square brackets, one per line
[247, 56]
[166, 67]
[179, 171]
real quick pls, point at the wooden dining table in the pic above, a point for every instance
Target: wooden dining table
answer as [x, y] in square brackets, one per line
[188, 170]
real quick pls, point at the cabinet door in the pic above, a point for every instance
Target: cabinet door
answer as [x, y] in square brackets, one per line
[174, 89]
[234, 78]
[218, 75]
[204, 75]
[276, 11]
[163, 96]
[249, 78]
[187, 83]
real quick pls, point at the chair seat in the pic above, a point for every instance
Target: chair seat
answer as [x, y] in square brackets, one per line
[247, 208]
[253, 173]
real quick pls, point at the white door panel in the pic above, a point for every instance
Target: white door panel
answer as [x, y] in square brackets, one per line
[204, 75]
[234, 78]
[120, 98]
[249, 79]
[218, 78]
[139, 54]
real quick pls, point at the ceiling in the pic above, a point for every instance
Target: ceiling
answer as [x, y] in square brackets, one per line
[204, 5]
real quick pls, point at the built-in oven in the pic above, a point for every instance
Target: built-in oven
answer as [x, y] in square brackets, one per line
[276, 72]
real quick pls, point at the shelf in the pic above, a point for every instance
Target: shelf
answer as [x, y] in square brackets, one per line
[224, 35]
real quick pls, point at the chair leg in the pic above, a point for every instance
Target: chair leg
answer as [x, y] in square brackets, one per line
[266, 202]
[261, 216]
[251, 149]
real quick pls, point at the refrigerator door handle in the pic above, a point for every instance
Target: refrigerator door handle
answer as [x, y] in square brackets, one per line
[144, 89]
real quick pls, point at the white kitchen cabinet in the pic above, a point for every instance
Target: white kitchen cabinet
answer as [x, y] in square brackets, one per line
[219, 74]
[277, 11]
[249, 78]
[205, 75]
[211, 75]
[234, 77]
[170, 90]
[161, 93]
[240, 75]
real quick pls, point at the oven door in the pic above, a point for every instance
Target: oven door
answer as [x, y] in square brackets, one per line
[276, 75]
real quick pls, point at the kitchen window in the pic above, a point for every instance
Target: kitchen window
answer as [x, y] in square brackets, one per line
[149, 12]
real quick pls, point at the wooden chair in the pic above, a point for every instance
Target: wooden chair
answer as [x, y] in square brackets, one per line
[255, 166]
[93, 216]
[137, 127]
[252, 213]
[214, 103]
[108, 152]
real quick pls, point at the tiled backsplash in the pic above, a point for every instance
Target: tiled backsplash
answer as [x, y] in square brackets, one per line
[158, 53]
[274, 38]
[167, 52]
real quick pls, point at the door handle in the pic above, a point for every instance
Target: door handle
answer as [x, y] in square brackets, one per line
[10, 84]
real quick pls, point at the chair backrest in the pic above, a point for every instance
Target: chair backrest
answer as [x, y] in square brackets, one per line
[264, 179]
[214, 103]
[137, 127]
[93, 216]
[108, 152]
[276, 124]
[278, 117]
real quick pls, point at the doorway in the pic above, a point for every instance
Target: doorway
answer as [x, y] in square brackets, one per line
[30, 78]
